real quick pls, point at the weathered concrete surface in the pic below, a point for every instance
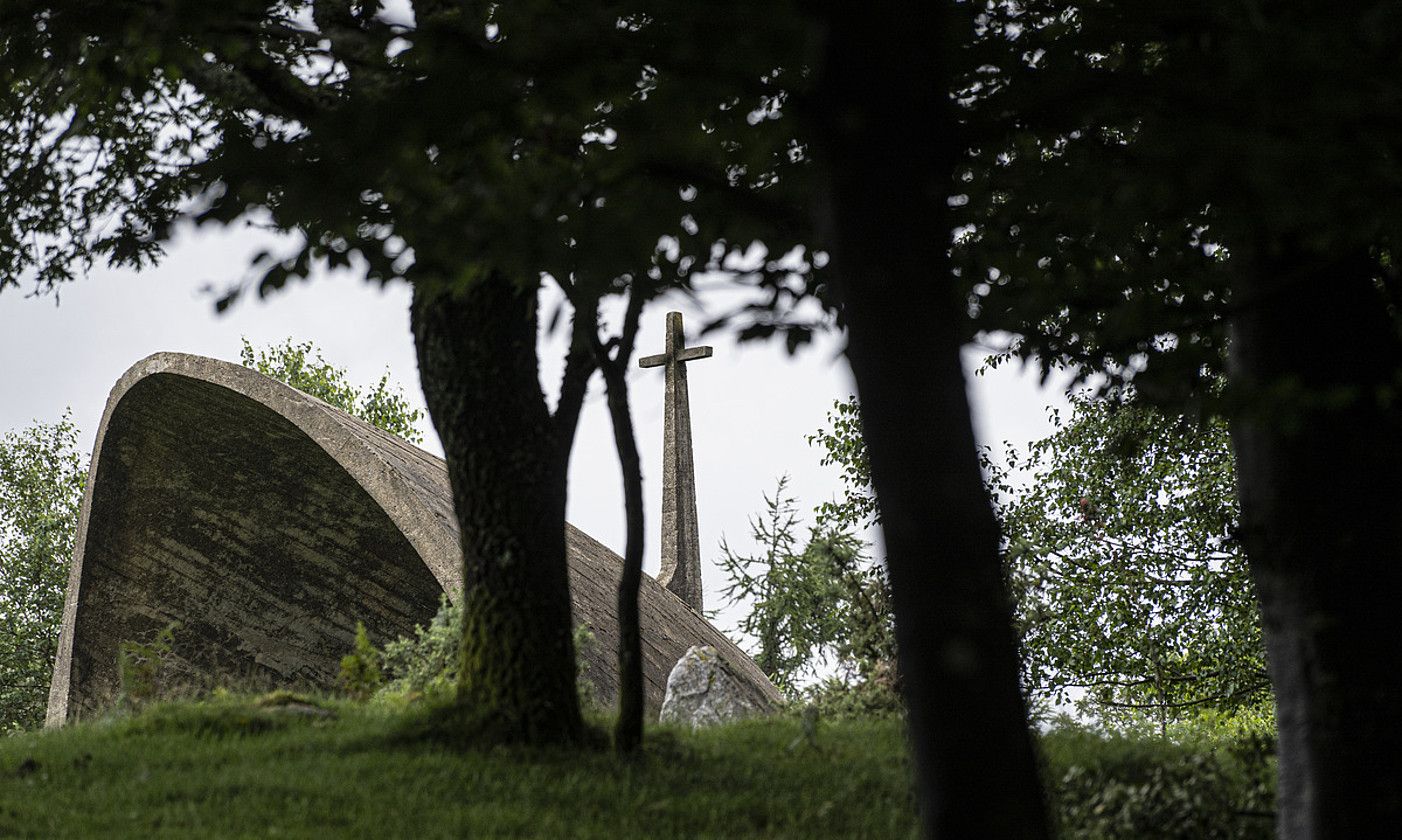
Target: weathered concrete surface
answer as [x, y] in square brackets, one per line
[267, 523]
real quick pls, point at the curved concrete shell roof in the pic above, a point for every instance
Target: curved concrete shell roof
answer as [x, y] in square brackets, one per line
[267, 523]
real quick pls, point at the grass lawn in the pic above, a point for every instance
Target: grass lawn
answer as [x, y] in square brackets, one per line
[235, 768]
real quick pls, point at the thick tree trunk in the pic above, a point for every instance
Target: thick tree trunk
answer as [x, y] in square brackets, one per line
[478, 365]
[889, 152]
[1319, 461]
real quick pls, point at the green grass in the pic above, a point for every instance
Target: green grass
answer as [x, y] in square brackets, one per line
[237, 768]
[278, 767]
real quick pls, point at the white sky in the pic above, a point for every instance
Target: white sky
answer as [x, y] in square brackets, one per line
[751, 405]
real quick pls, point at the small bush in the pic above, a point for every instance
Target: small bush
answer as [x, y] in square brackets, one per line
[360, 669]
[584, 640]
[874, 696]
[143, 667]
[1112, 787]
[426, 664]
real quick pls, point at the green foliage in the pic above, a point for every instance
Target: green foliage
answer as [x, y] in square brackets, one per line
[235, 767]
[844, 448]
[1132, 593]
[869, 636]
[791, 594]
[1109, 234]
[1108, 788]
[450, 145]
[42, 475]
[143, 668]
[426, 664]
[360, 669]
[877, 694]
[826, 603]
[584, 642]
[302, 367]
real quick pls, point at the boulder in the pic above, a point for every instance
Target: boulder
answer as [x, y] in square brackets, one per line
[703, 690]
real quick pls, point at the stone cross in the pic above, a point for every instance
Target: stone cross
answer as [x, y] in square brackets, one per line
[681, 551]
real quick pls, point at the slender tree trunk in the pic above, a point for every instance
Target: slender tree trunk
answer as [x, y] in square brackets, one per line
[628, 733]
[1319, 466]
[628, 729]
[478, 365]
[887, 147]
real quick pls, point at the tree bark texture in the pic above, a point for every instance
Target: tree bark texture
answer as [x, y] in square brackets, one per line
[628, 733]
[888, 150]
[478, 365]
[1316, 358]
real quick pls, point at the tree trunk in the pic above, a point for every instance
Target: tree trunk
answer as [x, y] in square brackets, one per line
[628, 733]
[477, 362]
[1316, 356]
[887, 147]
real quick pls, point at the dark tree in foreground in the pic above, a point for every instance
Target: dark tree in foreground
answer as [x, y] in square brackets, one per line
[1321, 490]
[1158, 187]
[477, 361]
[613, 362]
[612, 358]
[887, 145]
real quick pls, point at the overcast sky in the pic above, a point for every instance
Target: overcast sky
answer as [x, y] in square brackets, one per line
[751, 405]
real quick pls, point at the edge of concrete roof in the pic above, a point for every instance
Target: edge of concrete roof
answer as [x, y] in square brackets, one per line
[411, 487]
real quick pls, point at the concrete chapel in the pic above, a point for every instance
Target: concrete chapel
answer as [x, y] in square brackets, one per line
[267, 523]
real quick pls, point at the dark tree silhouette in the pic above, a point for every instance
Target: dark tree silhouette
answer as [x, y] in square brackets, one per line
[1170, 192]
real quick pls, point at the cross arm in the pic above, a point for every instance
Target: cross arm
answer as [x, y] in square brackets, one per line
[691, 354]
[653, 361]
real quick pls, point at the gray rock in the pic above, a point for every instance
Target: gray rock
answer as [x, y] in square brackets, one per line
[703, 690]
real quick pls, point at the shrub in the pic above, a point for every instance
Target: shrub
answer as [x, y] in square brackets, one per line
[360, 669]
[875, 696]
[143, 667]
[427, 662]
[1205, 788]
[584, 641]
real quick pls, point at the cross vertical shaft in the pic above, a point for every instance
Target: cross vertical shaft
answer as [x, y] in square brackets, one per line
[681, 550]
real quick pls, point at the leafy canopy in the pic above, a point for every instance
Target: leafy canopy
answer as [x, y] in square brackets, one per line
[42, 475]
[432, 142]
[301, 365]
[1132, 592]
[1127, 159]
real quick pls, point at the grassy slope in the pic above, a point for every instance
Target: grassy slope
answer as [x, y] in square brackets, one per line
[229, 769]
